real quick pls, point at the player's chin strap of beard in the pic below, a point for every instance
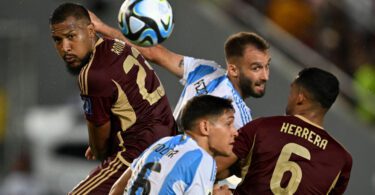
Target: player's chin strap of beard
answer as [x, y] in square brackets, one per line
[84, 62]
[86, 59]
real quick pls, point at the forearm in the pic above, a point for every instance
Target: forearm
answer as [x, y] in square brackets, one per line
[110, 32]
[119, 187]
[99, 140]
[165, 58]
[104, 29]
[156, 54]
[100, 152]
[226, 166]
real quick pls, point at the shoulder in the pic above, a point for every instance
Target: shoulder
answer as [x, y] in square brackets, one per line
[343, 151]
[107, 59]
[266, 120]
[349, 158]
[195, 62]
[107, 49]
[93, 81]
[194, 153]
[198, 159]
[262, 125]
[111, 44]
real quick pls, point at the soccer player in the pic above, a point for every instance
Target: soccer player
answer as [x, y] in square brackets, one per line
[124, 102]
[293, 154]
[184, 164]
[247, 56]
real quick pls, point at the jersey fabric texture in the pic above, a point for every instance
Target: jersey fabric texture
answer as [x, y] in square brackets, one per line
[173, 165]
[207, 77]
[290, 155]
[118, 85]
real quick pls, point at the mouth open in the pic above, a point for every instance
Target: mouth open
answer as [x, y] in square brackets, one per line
[260, 87]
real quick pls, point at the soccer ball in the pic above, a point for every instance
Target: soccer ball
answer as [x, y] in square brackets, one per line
[146, 22]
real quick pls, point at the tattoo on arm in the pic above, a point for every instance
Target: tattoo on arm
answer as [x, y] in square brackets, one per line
[181, 64]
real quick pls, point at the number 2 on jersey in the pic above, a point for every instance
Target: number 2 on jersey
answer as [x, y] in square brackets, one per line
[130, 61]
[283, 165]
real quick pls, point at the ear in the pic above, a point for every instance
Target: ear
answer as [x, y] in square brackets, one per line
[232, 70]
[300, 98]
[91, 29]
[204, 127]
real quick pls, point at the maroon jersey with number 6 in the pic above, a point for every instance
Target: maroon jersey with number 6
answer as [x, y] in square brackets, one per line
[290, 155]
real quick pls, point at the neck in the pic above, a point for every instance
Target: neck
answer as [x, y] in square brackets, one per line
[96, 38]
[201, 141]
[236, 86]
[314, 116]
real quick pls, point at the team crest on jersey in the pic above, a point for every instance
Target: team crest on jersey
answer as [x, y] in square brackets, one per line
[87, 106]
[118, 47]
[200, 87]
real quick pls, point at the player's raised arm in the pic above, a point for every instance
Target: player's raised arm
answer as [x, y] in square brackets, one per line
[158, 54]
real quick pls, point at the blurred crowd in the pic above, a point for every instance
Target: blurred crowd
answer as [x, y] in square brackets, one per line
[341, 31]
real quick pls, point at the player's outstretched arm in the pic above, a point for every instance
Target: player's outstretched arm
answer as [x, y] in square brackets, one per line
[157, 54]
[119, 187]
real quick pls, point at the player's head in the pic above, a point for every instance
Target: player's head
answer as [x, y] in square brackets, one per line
[315, 86]
[73, 34]
[209, 120]
[247, 55]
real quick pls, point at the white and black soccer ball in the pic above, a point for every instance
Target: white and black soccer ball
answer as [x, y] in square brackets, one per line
[146, 22]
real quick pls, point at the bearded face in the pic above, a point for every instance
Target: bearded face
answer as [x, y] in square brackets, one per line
[251, 86]
[74, 41]
[75, 70]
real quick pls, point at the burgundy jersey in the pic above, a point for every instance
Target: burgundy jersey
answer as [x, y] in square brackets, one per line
[120, 86]
[290, 155]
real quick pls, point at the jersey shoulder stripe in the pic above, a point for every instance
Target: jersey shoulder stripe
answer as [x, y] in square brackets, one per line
[199, 72]
[184, 171]
[83, 75]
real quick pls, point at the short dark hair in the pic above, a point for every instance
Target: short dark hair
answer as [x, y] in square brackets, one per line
[203, 106]
[322, 85]
[69, 9]
[236, 43]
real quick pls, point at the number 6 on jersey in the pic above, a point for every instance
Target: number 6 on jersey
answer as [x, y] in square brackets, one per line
[283, 165]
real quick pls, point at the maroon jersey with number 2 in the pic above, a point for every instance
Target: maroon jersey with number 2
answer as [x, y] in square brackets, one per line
[290, 155]
[118, 85]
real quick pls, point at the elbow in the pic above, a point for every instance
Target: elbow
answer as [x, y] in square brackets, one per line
[148, 54]
[153, 54]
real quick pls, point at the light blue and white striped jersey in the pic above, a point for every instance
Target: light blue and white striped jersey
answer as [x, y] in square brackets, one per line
[173, 165]
[208, 77]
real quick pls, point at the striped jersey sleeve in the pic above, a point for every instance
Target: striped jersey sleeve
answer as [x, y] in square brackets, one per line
[207, 77]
